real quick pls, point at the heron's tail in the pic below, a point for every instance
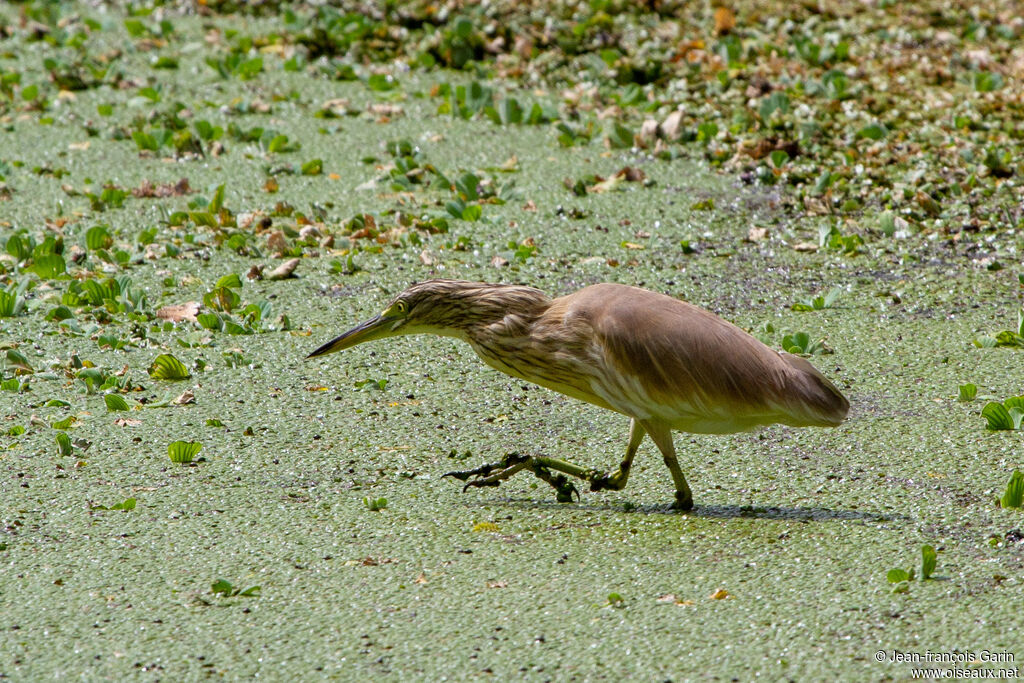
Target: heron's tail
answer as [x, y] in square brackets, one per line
[816, 402]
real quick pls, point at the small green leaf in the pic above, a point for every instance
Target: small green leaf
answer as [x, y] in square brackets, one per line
[874, 131]
[616, 600]
[66, 423]
[967, 392]
[313, 167]
[221, 586]
[229, 280]
[18, 361]
[472, 212]
[375, 504]
[210, 321]
[897, 575]
[620, 137]
[167, 367]
[997, 415]
[115, 402]
[985, 81]
[927, 562]
[183, 451]
[128, 504]
[63, 443]
[776, 102]
[707, 131]
[49, 266]
[1014, 495]
[278, 143]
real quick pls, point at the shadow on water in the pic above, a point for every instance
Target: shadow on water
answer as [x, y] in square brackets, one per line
[800, 514]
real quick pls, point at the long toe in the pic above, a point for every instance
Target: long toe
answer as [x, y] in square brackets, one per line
[566, 490]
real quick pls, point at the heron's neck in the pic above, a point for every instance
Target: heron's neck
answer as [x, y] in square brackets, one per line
[507, 317]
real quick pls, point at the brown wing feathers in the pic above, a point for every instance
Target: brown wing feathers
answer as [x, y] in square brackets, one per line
[684, 354]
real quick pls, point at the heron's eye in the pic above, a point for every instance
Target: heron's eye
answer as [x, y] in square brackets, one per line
[401, 307]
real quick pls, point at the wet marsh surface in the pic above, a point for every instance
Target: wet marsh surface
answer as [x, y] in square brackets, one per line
[781, 569]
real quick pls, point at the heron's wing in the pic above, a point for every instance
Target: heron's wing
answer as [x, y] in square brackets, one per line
[692, 368]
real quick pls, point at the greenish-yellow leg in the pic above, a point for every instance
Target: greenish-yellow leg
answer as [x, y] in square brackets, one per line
[617, 481]
[661, 435]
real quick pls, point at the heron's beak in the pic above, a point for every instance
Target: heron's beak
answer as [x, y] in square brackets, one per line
[375, 328]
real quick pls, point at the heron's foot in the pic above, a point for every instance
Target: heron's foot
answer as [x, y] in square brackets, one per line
[683, 501]
[491, 474]
[601, 482]
[564, 488]
[485, 469]
[607, 482]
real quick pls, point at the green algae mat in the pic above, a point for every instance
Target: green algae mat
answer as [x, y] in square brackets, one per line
[193, 197]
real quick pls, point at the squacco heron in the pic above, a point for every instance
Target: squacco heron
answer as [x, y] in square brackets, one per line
[663, 363]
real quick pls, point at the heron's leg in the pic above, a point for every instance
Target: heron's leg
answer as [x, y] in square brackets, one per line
[617, 481]
[661, 434]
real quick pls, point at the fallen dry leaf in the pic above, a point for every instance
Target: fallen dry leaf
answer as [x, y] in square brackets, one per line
[720, 594]
[309, 232]
[497, 584]
[648, 130]
[385, 110]
[277, 242]
[178, 312]
[632, 174]
[255, 272]
[725, 20]
[284, 270]
[186, 398]
[127, 422]
[756, 234]
[338, 106]
[805, 246]
[606, 184]
[672, 125]
[149, 189]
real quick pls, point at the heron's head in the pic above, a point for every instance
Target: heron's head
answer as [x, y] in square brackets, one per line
[445, 307]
